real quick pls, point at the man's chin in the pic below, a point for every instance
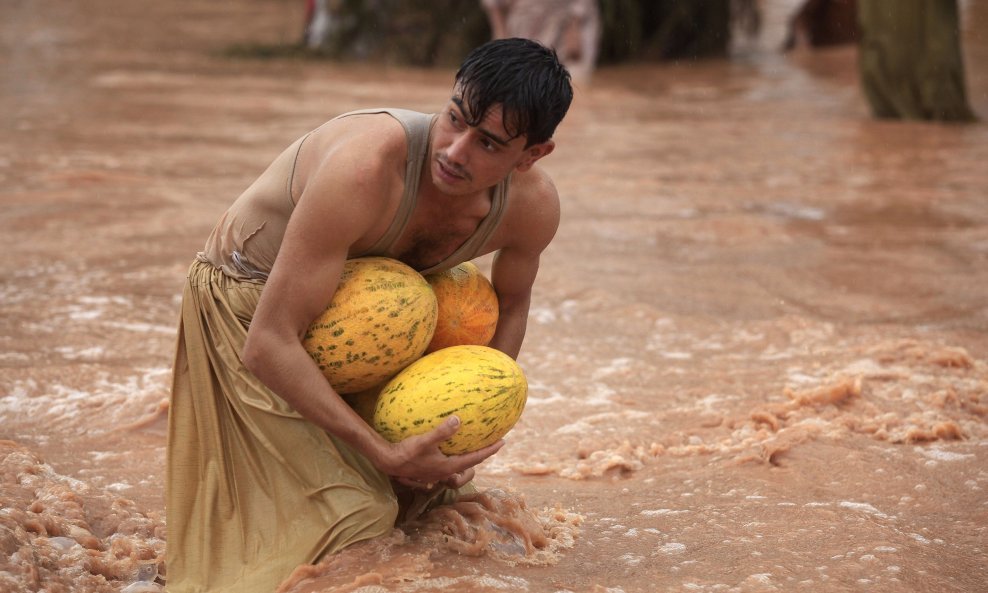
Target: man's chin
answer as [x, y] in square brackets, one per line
[449, 184]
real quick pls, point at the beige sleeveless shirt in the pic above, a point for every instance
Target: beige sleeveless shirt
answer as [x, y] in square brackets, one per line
[245, 241]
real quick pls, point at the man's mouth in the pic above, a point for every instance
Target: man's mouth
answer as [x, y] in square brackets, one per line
[451, 171]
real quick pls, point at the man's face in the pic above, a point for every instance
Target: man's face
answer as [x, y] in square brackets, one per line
[467, 159]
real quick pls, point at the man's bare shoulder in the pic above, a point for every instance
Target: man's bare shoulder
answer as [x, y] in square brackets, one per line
[535, 189]
[350, 173]
[364, 135]
[533, 213]
[368, 147]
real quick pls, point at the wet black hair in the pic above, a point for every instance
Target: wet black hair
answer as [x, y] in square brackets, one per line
[523, 76]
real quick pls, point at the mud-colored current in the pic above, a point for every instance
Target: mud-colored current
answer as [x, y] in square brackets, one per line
[757, 351]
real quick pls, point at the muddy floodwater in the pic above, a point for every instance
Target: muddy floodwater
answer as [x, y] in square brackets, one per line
[757, 353]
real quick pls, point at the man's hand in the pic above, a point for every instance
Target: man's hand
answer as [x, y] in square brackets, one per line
[418, 462]
[455, 481]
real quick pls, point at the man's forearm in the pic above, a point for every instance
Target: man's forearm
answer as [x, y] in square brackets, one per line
[510, 333]
[287, 370]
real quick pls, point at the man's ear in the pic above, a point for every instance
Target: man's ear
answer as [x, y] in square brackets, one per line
[534, 153]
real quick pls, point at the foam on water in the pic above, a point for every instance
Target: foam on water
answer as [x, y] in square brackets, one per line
[941, 455]
[169, 330]
[672, 548]
[69, 534]
[864, 508]
[660, 512]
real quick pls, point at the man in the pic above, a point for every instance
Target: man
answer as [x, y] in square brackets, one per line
[268, 467]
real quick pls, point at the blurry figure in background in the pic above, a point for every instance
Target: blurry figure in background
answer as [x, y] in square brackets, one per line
[317, 22]
[746, 16]
[821, 23]
[911, 62]
[571, 27]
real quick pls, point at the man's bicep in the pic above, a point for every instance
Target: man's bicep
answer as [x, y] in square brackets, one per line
[325, 224]
[516, 264]
[513, 275]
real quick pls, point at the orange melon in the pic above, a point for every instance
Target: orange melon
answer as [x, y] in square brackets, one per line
[468, 309]
[380, 320]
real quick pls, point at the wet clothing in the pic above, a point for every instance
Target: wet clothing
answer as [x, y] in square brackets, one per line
[246, 240]
[252, 488]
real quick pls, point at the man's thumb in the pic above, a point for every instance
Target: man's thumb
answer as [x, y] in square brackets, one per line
[449, 427]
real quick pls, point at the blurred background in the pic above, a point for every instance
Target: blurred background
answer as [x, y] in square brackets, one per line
[911, 64]
[756, 351]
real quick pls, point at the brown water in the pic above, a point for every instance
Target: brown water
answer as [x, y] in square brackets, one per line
[757, 352]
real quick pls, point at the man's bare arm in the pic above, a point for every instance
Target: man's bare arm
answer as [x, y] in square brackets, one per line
[326, 222]
[532, 225]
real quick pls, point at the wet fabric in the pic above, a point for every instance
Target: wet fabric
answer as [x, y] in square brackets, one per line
[253, 489]
[245, 241]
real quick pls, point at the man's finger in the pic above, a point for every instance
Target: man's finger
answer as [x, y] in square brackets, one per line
[445, 430]
[460, 479]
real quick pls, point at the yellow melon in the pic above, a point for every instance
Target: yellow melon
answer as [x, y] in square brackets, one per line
[468, 309]
[381, 319]
[484, 387]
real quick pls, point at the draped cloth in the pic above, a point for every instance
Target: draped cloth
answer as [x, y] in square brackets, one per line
[253, 489]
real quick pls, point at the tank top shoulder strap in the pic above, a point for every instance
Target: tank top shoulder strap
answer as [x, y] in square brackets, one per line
[417, 126]
[290, 178]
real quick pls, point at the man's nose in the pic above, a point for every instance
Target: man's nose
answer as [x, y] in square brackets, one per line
[457, 151]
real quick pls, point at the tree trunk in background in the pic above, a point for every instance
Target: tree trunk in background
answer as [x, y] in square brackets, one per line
[664, 29]
[910, 61]
[413, 32]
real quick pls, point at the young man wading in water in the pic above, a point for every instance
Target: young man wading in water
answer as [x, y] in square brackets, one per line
[268, 467]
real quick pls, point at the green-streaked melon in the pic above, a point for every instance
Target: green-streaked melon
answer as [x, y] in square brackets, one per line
[380, 320]
[484, 387]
